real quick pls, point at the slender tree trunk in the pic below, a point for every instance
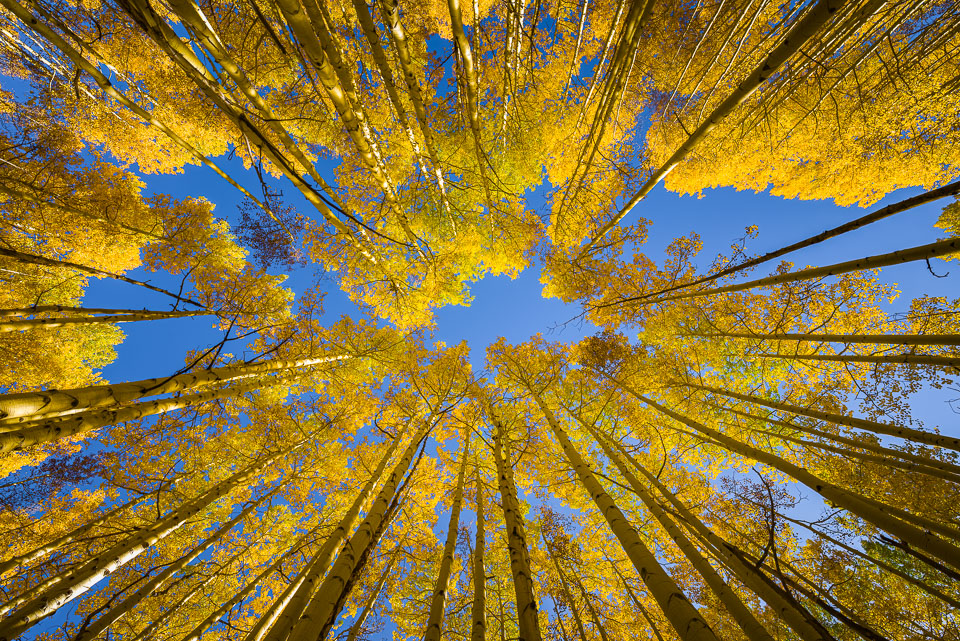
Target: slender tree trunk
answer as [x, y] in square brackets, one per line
[29, 406]
[375, 591]
[887, 429]
[565, 589]
[78, 580]
[803, 623]
[682, 615]
[639, 604]
[115, 612]
[478, 611]
[921, 252]
[435, 615]
[898, 458]
[59, 309]
[753, 629]
[45, 431]
[909, 203]
[473, 100]
[880, 339]
[885, 517]
[323, 605]
[33, 259]
[51, 323]
[791, 42]
[527, 616]
[949, 362]
[279, 623]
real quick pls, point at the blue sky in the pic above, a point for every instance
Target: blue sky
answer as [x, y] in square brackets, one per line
[514, 308]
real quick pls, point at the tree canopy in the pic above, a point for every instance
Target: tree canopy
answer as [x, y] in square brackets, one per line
[736, 453]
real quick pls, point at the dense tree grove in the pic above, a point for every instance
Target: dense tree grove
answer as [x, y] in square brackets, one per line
[732, 455]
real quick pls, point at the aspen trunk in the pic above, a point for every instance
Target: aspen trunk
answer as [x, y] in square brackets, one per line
[78, 580]
[921, 252]
[566, 592]
[323, 605]
[879, 339]
[149, 631]
[594, 615]
[473, 100]
[753, 629]
[54, 429]
[884, 517]
[682, 615]
[52, 323]
[278, 624]
[861, 456]
[197, 633]
[638, 604]
[357, 627]
[949, 362]
[920, 436]
[886, 567]
[105, 85]
[478, 611]
[435, 615]
[912, 462]
[390, 11]
[803, 623]
[115, 612]
[73, 535]
[29, 406]
[791, 42]
[33, 259]
[909, 203]
[527, 616]
[60, 309]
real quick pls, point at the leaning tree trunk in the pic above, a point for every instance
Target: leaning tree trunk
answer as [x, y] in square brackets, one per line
[281, 619]
[115, 612]
[78, 580]
[324, 603]
[791, 42]
[478, 611]
[682, 615]
[29, 406]
[753, 629]
[527, 616]
[885, 517]
[435, 615]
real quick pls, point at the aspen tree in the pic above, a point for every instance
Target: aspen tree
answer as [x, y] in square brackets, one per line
[565, 589]
[881, 339]
[787, 608]
[82, 578]
[115, 612]
[29, 406]
[887, 429]
[52, 323]
[473, 98]
[44, 430]
[437, 602]
[885, 517]
[683, 616]
[527, 609]
[478, 611]
[322, 605]
[33, 259]
[357, 628]
[908, 460]
[790, 43]
[279, 621]
[741, 613]
[928, 196]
